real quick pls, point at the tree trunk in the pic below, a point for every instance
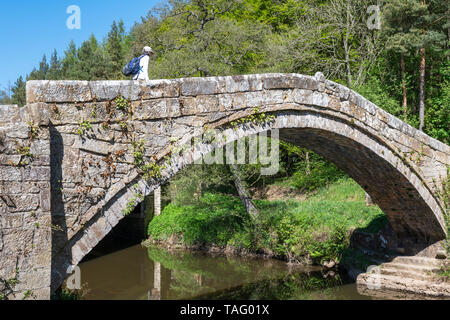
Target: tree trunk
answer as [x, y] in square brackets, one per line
[422, 84]
[244, 194]
[347, 49]
[405, 101]
[369, 201]
[308, 164]
[157, 199]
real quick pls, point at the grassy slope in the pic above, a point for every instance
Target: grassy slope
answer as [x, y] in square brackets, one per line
[314, 230]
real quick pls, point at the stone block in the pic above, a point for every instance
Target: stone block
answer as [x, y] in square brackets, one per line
[24, 202]
[155, 89]
[10, 173]
[198, 86]
[11, 221]
[9, 114]
[58, 91]
[31, 173]
[237, 84]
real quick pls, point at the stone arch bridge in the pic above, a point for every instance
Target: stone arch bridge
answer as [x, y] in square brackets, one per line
[68, 165]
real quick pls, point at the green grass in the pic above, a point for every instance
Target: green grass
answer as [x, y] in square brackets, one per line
[314, 230]
[65, 294]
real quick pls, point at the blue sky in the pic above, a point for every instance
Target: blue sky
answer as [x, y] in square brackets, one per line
[30, 28]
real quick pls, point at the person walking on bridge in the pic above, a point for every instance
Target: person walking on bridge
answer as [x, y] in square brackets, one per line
[138, 67]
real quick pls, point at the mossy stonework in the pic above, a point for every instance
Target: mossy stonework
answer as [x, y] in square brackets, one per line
[92, 144]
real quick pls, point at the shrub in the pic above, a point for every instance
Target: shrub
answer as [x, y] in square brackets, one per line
[322, 174]
[315, 230]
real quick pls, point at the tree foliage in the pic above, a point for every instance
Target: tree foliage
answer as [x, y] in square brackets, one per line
[226, 37]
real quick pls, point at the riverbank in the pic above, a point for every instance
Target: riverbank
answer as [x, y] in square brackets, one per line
[316, 230]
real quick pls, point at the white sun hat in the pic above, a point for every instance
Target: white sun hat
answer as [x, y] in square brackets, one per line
[148, 50]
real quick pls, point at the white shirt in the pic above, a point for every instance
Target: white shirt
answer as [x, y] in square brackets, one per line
[143, 72]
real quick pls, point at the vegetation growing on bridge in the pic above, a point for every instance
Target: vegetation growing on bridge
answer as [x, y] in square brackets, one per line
[257, 117]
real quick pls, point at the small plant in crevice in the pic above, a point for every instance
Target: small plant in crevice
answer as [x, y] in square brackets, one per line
[123, 126]
[129, 207]
[27, 294]
[34, 130]
[149, 170]
[83, 127]
[133, 202]
[256, 117]
[25, 156]
[105, 125]
[55, 228]
[122, 104]
[7, 286]
[94, 111]
[138, 151]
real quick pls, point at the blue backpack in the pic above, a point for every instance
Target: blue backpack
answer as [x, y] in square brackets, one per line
[133, 67]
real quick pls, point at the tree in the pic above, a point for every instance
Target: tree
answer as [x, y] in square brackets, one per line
[69, 61]
[41, 73]
[5, 94]
[400, 26]
[199, 39]
[433, 39]
[331, 37]
[243, 192]
[4, 98]
[88, 62]
[114, 49]
[19, 92]
[346, 39]
[422, 80]
[54, 71]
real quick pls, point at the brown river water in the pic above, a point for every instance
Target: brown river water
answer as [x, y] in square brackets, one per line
[140, 273]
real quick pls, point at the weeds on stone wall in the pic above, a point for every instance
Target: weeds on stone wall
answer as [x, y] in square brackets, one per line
[122, 104]
[7, 286]
[83, 127]
[443, 194]
[134, 201]
[25, 156]
[149, 170]
[34, 130]
[256, 117]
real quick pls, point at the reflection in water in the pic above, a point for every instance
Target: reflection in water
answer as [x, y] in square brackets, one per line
[154, 273]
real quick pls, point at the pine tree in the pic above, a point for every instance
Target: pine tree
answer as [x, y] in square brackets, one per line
[433, 36]
[114, 49]
[41, 73]
[19, 92]
[54, 72]
[87, 62]
[400, 26]
[69, 62]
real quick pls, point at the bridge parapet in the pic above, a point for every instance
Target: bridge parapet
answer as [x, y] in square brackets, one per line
[219, 99]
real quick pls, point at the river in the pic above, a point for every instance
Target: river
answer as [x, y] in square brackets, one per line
[140, 273]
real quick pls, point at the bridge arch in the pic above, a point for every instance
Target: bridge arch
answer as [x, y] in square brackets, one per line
[395, 187]
[399, 166]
